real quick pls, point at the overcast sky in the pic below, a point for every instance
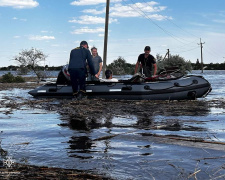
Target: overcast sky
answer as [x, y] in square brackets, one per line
[57, 26]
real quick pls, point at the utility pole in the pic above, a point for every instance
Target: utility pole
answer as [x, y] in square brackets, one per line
[105, 38]
[201, 54]
[168, 53]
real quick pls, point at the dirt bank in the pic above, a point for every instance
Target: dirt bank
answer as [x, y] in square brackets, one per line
[25, 172]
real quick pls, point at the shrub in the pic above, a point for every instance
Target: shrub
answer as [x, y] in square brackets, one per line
[19, 79]
[121, 67]
[9, 78]
[174, 61]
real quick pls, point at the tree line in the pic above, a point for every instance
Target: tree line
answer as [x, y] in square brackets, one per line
[30, 60]
[210, 66]
[42, 68]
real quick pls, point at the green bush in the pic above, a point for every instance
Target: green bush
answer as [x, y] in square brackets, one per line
[19, 79]
[174, 61]
[121, 67]
[9, 78]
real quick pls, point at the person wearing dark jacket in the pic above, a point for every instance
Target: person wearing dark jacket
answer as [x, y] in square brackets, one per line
[77, 68]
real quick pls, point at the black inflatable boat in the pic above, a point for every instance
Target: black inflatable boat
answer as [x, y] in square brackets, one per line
[163, 87]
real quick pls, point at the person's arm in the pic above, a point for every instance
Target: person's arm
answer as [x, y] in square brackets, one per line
[100, 69]
[138, 64]
[155, 69]
[90, 63]
[136, 67]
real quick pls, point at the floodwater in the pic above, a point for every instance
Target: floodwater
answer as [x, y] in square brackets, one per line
[125, 149]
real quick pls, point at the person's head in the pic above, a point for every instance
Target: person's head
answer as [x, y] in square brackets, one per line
[147, 50]
[94, 51]
[108, 74]
[84, 44]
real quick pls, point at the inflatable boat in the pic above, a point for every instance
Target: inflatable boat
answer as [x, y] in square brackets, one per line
[164, 87]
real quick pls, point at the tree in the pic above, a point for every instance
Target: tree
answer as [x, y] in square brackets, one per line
[174, 61]
[159, 57]
[197, 65]
[23, 70]
[121, 67]
[31, 59]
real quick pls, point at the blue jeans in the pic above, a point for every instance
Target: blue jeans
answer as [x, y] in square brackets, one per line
[77, 77]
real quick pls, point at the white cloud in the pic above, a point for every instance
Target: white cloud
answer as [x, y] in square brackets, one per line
[101, 35]
[94, 11]
[88, 30]
[44, 31]
[91, 2]
[222, 21]
[19, 4]
[91, 20]
[15, 18]
[158, 17]
[216, 34]
[147, 9]
[16, 37]
[40, 38]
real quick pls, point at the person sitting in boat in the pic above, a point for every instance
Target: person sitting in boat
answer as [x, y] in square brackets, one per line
[146, 61]
[109, 78]
[97, 62]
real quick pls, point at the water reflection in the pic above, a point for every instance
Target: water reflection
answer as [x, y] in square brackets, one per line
[170, 114]
[114, 141]
[78, 124]
[145, 122]
[80, 144]
[102, 138]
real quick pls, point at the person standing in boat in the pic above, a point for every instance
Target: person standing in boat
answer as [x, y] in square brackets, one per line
[77, 69]
[146, 61]
[97, 62]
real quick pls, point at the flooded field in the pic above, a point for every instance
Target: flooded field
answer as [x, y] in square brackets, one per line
[117, 139]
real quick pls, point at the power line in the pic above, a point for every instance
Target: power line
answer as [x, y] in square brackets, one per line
[212, 55]
[212, 52]
[187, 50]
[185, 45]
[174, 23]
[147, 17]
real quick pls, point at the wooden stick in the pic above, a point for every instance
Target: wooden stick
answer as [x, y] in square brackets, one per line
[192, 140]
[194, 173]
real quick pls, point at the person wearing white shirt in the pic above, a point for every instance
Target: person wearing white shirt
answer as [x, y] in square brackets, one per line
[109, 78]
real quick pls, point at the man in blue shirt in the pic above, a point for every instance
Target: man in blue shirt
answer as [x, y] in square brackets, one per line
[77, 68]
